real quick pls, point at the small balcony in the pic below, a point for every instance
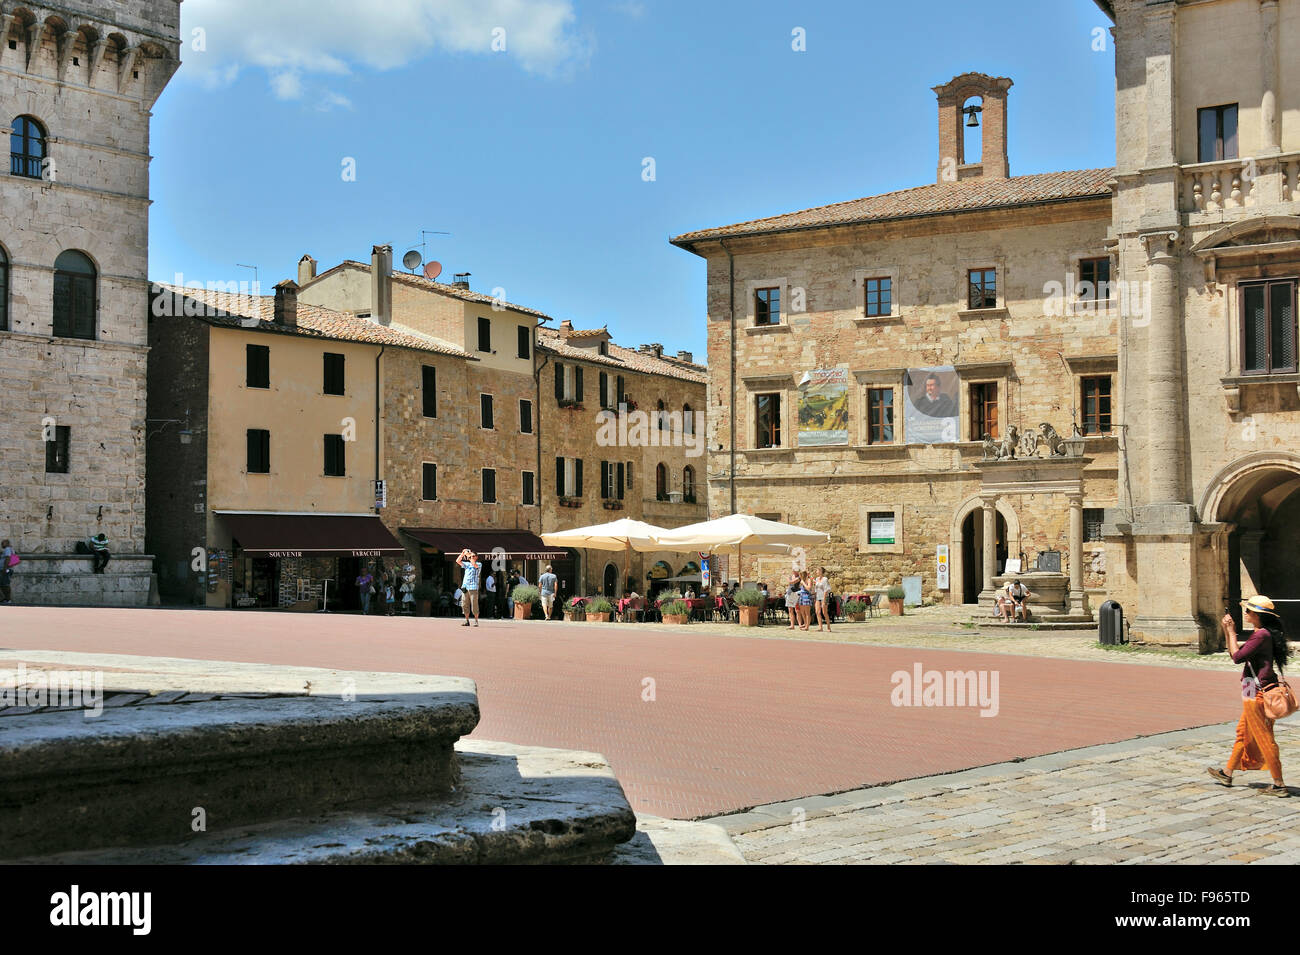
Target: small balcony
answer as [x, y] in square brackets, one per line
[1210, 187]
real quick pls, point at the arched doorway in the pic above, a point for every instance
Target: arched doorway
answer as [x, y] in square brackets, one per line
[1262, 504]
[972, 553]
[610, 588]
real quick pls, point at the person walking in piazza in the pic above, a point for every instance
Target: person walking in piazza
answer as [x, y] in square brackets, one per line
[8, 560]
[490, 596]
[546, 583]
[469, 562]
[1264, 653]
[822, 586]
[366, 588]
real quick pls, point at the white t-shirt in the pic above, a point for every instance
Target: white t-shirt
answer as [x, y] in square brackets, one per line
[823, 587]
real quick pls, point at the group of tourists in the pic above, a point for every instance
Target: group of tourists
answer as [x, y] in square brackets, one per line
[380, 587]
[807, 596]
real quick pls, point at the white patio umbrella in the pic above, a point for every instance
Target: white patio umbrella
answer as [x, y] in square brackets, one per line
[626, 535]
[742, 532]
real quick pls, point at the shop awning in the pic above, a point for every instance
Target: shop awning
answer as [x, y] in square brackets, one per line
[311, 535]
[518, 545]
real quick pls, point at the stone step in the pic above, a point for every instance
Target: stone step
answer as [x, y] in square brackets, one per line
[140, 773]
[513, 805]
[1076, 623]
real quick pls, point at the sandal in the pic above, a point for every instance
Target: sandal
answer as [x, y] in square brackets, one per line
[1220, 777]
[1275, 790]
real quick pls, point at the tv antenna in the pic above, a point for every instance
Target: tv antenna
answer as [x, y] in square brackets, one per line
[256, 284]
[412, 260]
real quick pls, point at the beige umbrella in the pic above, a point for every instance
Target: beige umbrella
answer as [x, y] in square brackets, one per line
[742, 532]
[625, 534]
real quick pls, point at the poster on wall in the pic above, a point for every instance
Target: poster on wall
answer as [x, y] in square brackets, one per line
[930, 405]
[824, 407]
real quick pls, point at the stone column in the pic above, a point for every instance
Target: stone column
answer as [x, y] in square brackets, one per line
[1165, 406]
[1078, 596]
[1269, 116]
[990, 555]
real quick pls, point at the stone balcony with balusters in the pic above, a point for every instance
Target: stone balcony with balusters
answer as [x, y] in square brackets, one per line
[1209, 189]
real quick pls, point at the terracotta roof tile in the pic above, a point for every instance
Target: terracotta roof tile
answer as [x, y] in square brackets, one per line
[257, 312]
[627, 359]
[967, 195]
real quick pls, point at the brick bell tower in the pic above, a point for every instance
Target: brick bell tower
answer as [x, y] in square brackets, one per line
[954, 121]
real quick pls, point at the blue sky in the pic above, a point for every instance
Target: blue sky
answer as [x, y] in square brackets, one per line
[532, 156]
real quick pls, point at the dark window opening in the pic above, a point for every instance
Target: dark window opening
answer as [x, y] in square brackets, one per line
[257, 366]
[879, 297]
[984, 410]
[259, 451]
[334, 463]
[880, 416]
[983, 288]
[484, 334]
[529, 489]
[333, 374]
[768, 420]
[1096, 394]
[1216, 133]
[767, 306]
[1094, 279]
[485, 411]
[1092, 521]
[74, 296]
[525, 416]
[489, 486]
[27, 148]
[430, 484]
[429, 390]
[1268, 327]
[56, 450]
[525, 342]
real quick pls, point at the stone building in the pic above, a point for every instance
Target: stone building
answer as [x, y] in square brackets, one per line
[1206, 230]
[480, 469]
[74, 210]
[623, 434]
[860, 353]
[265, 444]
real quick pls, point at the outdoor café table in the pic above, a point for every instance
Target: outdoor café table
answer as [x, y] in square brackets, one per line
[700, 607]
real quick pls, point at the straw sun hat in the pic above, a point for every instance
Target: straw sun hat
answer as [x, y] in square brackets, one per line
[1259, 604]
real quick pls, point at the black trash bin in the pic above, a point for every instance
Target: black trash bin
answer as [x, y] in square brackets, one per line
[1110, 623]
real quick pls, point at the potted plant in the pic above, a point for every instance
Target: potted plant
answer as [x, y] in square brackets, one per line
[525, 596]
[855, 610]
[575, 611]
[895, 595]
[675, 612]
[425, 594]
[599, 610]
[749, 602]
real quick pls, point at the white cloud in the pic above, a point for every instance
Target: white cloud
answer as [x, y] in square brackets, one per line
[292, 39]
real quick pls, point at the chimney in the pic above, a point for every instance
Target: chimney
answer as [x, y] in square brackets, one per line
[286, 304]
[657, 350]
[566, 326]
[460, 280]
[685, 356]
[954, 124]
[306, 270]
[381, 284]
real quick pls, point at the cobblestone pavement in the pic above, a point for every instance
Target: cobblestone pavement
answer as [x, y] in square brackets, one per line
[724, 723]
[1140, 801]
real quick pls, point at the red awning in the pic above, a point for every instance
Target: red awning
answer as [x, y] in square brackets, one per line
[519, 545]
[311, 535]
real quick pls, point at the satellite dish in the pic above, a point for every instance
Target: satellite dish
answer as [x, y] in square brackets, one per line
[412, 260]
[432, 270]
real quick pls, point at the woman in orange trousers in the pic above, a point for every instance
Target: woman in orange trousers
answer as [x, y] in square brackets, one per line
[1264, 654]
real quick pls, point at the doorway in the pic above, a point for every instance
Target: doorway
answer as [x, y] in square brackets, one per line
[1263, 551]
[972, 553]
[610, 588]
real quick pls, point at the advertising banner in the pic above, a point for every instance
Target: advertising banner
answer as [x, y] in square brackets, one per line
[931, 405]
[824, 407]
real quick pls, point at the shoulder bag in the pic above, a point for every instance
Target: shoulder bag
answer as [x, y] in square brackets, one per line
[1279, 700]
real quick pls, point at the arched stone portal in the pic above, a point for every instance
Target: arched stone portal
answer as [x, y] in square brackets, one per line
[964, 546]
[1258, 500]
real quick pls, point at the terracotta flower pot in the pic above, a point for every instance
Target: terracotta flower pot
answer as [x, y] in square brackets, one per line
[676, 619]
[748, 616]
[523, 611]
[573, 617]
[598, 617]
[858, 617]
[896, 606]
[424, 608]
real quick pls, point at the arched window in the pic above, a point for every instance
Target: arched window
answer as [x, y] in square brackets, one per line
[4, 291]
[74, 296]
[688, 420]
[661, 482]
[660, 414]
[26, 148]
[688, 484]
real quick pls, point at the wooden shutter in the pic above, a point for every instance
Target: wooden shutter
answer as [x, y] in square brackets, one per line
[620, 480]
[577, 383]
[604, 390]
[577, 477]
[559, 382]
[559, 477]
[604, 479]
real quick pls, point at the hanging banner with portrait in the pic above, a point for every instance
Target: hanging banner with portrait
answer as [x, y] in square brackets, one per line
[931, 405]
[824, 408]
